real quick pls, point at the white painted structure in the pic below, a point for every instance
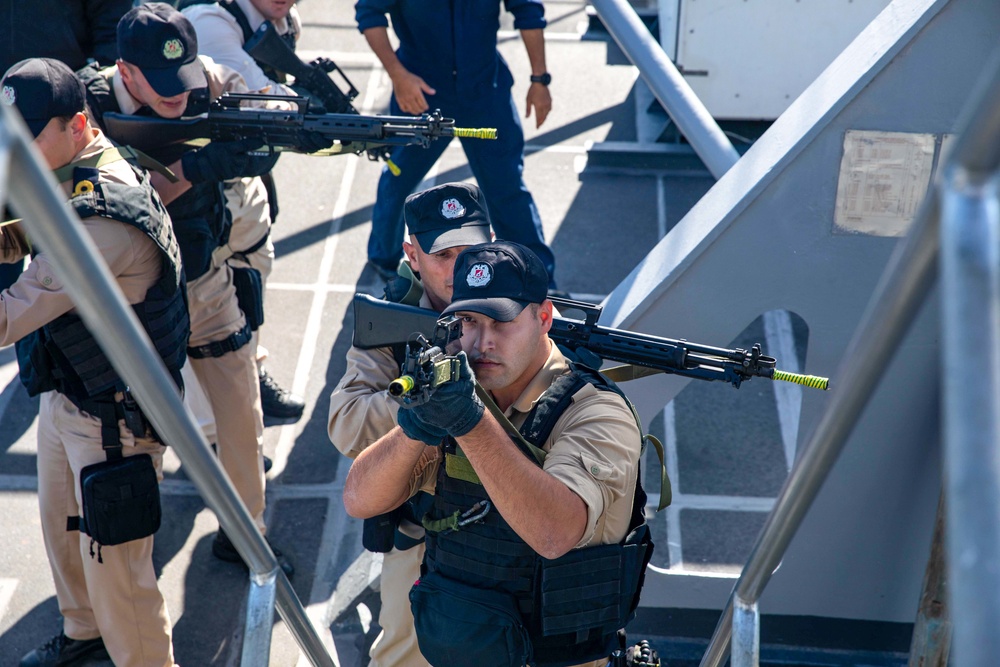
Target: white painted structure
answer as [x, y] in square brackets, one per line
[750, 59]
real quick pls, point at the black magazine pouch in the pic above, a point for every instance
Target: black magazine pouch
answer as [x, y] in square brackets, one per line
[582, 590]
[594, 587]
[250, 294]
[121, 500]
[458, 625]
[379, 532]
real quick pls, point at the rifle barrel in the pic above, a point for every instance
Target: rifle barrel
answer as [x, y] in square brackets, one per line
[380, 323]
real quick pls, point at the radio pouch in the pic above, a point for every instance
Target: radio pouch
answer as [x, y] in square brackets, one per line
[250, 294]
[121, 500]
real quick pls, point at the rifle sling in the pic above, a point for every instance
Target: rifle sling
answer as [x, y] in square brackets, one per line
[458, 466]
[535, 452]
[114, 155]
[627, 372]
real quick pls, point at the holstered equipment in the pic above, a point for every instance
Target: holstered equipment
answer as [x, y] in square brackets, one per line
[250, 294]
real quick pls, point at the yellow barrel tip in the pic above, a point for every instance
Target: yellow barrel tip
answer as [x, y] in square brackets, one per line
[401, 385]
[476, 132]
[811, 381]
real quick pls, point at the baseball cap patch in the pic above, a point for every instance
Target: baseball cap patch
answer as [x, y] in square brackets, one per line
[452, 208]
[480, 275]
[173, 49]
[8, 96]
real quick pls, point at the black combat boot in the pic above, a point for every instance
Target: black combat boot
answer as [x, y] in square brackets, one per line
[224, 550]
[277, 403]
[62, 651]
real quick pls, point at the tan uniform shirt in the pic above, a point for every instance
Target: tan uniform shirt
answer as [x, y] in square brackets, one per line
[38, 297]
[361, 410]
[221, 38]
[593, 449]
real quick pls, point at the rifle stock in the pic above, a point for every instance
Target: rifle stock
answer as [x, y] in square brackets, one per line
[379, 323]
[147, 133]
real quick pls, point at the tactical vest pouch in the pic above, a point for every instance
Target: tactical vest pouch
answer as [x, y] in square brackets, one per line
[121, 500]
[460, 625]
[35, 364]
[250, 294]
[593, 587]
[378, 533]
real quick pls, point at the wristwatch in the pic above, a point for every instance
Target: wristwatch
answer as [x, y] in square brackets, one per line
[544, 79]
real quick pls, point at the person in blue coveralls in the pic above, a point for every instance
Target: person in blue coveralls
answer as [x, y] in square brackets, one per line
[448, 60]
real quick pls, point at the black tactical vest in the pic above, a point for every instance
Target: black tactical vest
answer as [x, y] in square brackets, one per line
[200, 217]
[63, 355]
[589, 593]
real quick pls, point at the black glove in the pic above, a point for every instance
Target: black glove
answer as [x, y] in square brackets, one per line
[310, 142]
[223, 160]
[454, 406]
[415, 429]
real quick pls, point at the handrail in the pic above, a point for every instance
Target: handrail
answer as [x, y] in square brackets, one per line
[101, 305]
[668, 85]
[901, 292]
[970, 311]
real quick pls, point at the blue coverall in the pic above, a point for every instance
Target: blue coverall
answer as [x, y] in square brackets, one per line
[452, 45]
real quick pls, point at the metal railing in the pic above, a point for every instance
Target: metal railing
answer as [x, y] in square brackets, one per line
[100, 303]
[668, 85]
[961, 217]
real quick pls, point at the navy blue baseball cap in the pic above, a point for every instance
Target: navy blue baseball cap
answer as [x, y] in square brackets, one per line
[449, 215]
[42, 89]
[497, 280]
[162, 43]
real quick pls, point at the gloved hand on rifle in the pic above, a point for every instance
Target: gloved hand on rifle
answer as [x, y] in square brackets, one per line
[453, 409]
[224, 160]
[311, 142]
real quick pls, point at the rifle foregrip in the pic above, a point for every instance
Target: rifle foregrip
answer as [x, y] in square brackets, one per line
[811, 381]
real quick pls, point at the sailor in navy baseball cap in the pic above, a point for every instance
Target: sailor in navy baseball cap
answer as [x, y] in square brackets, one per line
[498, 280]
[162, 43]
[446, 216]
[42, 89]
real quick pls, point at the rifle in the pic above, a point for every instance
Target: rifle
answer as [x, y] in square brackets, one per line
[266, 46]
[379, 323]
[427, 366]
[279, 129]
